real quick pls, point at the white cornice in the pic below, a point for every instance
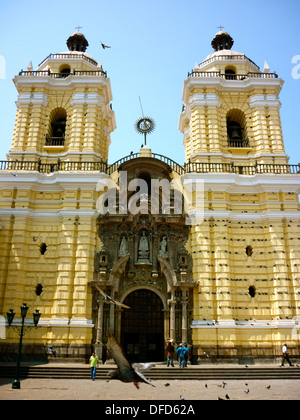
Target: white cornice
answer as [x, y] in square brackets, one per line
[264, 101]
[56, 181]
[36, 98]
[91, 98]
[251, 324]
[65, 83]
[234, 183]
[48, 215]
[260, 216]
[204, 99]
[224, 85]
[45, 216]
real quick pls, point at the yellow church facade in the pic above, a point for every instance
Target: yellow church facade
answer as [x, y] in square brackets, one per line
[227, 285]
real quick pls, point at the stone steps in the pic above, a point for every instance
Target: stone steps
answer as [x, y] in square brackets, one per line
[155, 373]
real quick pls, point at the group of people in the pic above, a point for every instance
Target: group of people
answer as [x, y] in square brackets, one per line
[182, 354]
[182, 357]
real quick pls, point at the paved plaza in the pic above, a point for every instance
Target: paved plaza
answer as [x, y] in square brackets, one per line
[165, 390]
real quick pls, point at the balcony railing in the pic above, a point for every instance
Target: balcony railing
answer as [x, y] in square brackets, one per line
[69, 57]
[189, 167]
[55, 141]
[200, 167]
[47, 168]
[227, 57]
[238, 143]
[46, 73]
[201, 74]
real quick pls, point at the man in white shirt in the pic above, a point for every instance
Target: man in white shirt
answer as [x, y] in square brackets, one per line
[285, 356]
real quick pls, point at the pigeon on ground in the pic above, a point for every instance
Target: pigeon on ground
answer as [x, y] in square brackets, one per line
[126, 372]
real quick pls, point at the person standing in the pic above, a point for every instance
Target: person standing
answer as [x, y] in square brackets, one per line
[285, 356]
[93, 365]
[170, 353]
[180, 355]
[185, 355]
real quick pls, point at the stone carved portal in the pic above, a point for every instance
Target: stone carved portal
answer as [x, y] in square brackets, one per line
[144, 264]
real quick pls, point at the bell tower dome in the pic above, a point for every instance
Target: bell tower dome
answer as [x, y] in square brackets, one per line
[231, 110]
[77, 42]
[222, 41]
[64, 108]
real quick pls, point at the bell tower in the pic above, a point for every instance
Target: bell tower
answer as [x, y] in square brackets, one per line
[231, 110]
[246, 250]
[63, 108]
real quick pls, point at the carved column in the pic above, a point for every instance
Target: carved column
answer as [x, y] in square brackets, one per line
[112, 314]
[99, 343]
[184, 328]
[172, 303]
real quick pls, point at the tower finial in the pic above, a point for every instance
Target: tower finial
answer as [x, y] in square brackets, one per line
[222, 41]
[77, 41]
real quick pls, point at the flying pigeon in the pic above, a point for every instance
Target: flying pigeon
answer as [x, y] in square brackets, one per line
[126, 372]
[108, 299]
[104, 46]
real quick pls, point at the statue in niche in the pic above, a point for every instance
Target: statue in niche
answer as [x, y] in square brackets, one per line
[143, 250]
[123, 250]
[163, 247]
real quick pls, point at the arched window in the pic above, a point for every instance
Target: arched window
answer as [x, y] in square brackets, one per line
[236, 129]
[147, 178]
[230, 73]
[65, 70]
[57, 129]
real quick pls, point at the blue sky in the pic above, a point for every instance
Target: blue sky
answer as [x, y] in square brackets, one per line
[155, 43]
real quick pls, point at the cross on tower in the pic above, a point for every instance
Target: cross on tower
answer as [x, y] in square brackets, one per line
[220, 27]
[78, 28]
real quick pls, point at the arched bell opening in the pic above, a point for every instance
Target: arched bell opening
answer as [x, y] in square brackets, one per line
[236, 129]
[57, 128]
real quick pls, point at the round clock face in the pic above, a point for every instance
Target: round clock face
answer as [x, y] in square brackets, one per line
[145, 125]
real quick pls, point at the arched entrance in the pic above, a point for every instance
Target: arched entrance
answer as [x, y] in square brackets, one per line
[142, 327]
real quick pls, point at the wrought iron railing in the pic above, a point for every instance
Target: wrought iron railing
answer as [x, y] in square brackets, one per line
[201, 167]
[54, 141]
[38, 166]
[176, 167]
[189, 167]
[238, 143]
